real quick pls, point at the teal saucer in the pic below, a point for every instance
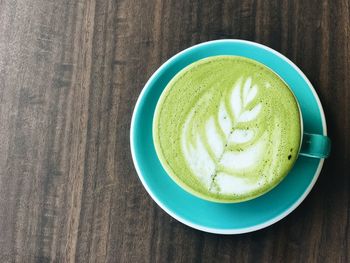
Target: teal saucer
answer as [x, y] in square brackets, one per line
[215, 217]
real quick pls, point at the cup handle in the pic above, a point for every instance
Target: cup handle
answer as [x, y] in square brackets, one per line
[315, 145]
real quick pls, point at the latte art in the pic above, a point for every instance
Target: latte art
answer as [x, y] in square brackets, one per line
[220, 153]
[227, 129]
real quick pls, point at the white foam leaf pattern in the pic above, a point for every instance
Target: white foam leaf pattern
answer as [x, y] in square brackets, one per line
[211, 157]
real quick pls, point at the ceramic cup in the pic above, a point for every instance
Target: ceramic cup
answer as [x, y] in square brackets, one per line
[311, 145]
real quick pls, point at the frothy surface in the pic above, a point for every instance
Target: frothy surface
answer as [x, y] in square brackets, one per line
[227, 128]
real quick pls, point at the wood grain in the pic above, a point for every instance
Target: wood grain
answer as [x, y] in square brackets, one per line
[70, 74]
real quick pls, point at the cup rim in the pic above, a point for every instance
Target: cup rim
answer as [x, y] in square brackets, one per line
[171, 173]
[211, 229]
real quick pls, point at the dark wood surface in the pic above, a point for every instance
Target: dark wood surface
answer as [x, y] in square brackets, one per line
[70, 74]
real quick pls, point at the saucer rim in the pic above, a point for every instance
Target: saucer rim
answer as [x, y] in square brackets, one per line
[233, 230]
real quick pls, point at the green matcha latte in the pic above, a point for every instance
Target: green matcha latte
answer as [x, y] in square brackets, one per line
[227, 129]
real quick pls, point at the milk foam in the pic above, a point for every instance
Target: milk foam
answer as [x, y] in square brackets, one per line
[207, 167]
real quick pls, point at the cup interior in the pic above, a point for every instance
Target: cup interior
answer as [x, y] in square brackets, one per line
[167, 90]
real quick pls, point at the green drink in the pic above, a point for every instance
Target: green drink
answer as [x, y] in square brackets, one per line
[227, 129]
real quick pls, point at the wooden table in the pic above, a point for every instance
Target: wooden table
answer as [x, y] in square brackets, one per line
[70, 74]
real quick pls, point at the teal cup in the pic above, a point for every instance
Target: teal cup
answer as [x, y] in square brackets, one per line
[310, 145]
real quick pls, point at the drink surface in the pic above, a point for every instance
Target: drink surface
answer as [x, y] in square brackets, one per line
[227, 129]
